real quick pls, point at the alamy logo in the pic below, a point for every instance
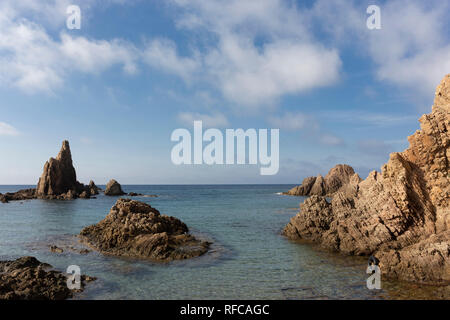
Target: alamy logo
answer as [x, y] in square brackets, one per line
[374, 20]
[74, 278]
[74, 19]
[236, 140]
[374, 281]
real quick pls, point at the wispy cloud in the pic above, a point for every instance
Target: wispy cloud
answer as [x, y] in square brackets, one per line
[34, 61]
[410, 50]
[216, 120]
[305, 123]
[8, 130]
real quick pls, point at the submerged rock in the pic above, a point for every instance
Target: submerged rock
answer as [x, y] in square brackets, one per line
[135, 229]
[27, 279]
[401, 215]
[336, 180]
[113, 188]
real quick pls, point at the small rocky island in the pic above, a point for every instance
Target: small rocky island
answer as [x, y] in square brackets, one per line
[401, 215]
[58, 181]
[337, 179]
[29, 279]
[135, 229]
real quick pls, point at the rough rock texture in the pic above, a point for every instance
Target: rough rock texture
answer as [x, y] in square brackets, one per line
[135, 229]
[25, 194]
[59, 179]
[401, 215]
[113, 188]
[28, 279]
[336, 179]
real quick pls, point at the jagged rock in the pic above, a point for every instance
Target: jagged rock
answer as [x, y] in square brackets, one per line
[93, 188]
[27, 279]
[113, 188]
[59, 174]
[25, 194]
[401, 215]
[58, 181]
[135, 229]
[336, 179]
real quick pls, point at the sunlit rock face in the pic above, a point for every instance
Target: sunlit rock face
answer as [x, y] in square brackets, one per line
[400, 215]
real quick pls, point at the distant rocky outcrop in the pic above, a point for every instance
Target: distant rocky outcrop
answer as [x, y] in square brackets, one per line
[25, 194]
[113, 188]
[94, 190]
[135, 229]
[336, 180]
[29, 279]
[58, 181]
[401, 215]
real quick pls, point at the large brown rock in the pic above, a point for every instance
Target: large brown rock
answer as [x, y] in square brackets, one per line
[401, 215]
[59, 179]
[113, 188]
[336, 179]
[59, 175]
[135, 229]
[28, 279]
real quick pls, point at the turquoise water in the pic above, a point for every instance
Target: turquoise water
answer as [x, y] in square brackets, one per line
[250, 259]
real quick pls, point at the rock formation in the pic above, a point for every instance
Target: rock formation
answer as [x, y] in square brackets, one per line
[25, 194]
[27, 279]
[336, 180]
[401, 215]
[135, 229]
[59, 179]
[113, 188]
[93, 189]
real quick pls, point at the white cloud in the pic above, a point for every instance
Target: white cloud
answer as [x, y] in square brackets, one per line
[8, 130]
[330, 140]
[290, 121]
[162, 54]
[412, 48]
[287, 60]
[298, 121]
[216, 120]
[33, 61]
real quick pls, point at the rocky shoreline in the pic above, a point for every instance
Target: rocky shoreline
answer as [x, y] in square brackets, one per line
[135, 229]
[29, 279]
[401, 215]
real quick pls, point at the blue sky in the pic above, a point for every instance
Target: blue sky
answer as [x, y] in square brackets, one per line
[137, 70]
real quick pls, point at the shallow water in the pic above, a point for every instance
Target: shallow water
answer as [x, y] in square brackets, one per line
[249, 259]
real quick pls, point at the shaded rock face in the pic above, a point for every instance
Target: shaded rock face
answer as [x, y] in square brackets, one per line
[113, 188]
[401, 215]
[59, 179]
[93, 189]
[135, 229]
[25, 194]
[336, 179]
[27, 279]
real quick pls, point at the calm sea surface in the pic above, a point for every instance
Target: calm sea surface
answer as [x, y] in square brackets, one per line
[250, 259]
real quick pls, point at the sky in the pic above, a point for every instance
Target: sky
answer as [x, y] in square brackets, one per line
[137, 70]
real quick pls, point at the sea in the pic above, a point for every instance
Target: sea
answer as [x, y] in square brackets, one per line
[249, 257]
